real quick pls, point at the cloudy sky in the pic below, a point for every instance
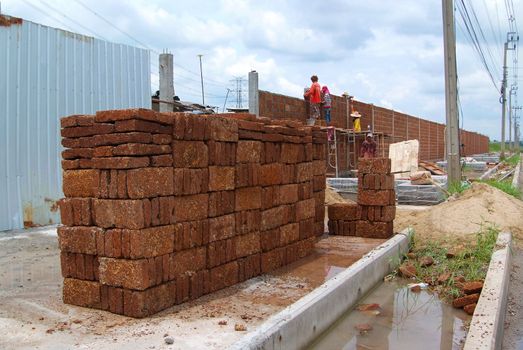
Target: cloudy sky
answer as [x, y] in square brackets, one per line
[389, 53]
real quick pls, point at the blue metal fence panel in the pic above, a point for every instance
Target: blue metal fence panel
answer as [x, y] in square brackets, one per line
[45, 74]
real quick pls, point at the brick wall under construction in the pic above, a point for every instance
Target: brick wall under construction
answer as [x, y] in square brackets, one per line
[162, 208]
[373, 214]
[395, 125]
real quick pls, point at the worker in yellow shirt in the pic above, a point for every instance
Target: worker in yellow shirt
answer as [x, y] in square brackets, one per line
[356, 116]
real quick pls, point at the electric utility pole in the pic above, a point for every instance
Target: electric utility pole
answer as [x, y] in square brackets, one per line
[516, 128]
[513, 90]
[451, 94]
[201, 78]
[510, 44]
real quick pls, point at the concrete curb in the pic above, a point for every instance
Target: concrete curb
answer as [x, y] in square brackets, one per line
[517, 180]
[299, 324]
[486, 327]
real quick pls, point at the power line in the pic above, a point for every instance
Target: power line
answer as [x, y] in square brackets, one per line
[45, 3]
[154, 83]
[496, 38]
[208, 80]
[482, 34]
[462, 9]
[111, 24]
[39, 9]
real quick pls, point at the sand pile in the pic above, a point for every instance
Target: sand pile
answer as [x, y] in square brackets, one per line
[464, 215]
[332, 197]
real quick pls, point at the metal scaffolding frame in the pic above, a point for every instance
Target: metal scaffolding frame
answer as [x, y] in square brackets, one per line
[348, 138]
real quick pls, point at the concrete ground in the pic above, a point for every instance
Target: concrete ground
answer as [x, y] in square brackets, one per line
[32, 315]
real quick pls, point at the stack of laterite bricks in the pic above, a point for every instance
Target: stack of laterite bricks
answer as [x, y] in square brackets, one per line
[162, 208]
[374, 213]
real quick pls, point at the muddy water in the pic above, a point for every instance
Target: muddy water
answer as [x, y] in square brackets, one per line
[407, 320]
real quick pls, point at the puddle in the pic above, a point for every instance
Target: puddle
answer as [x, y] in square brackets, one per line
[331, 256]
[406, 320]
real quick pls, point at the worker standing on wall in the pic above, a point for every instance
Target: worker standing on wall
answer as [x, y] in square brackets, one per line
[327, 102]
[314, 97]
[369, 148]
[356, 121]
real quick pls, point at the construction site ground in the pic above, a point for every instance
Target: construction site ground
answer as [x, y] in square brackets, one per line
[454, 223]
[33, 316]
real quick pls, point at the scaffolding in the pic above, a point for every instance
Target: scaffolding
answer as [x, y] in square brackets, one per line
[347, 138]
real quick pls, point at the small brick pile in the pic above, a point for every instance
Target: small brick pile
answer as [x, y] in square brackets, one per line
[374, 213]
[162, 208]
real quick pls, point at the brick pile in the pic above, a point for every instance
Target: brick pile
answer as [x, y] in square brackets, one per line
[162, 208]
[373, 215]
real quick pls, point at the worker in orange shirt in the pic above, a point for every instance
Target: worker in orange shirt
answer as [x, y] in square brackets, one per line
[314, 97]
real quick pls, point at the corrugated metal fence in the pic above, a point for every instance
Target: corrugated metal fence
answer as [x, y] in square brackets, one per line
[47, 73]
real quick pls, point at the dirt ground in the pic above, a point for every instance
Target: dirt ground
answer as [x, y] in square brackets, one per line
[32, 315]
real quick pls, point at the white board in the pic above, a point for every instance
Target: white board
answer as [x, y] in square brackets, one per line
[404, 157]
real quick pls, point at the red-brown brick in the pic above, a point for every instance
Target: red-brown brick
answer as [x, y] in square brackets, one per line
[109, 213]
[190, 154]
[150, 182]
[248, 198]
[81, 183]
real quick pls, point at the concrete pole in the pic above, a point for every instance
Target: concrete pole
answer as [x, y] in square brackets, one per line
[503, 99]
[347, 109]
[516, 128]
[166, 81]
[510, 144]
[451, 95]
[254, 94]
[201, 78]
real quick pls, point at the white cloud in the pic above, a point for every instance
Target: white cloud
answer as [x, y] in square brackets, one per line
[388, 53]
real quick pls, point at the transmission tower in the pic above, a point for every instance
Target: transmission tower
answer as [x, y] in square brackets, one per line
[239, 90]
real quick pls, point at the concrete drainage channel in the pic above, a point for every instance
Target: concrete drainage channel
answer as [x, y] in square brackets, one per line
[301, 323]
[298, 325]
[486, 327]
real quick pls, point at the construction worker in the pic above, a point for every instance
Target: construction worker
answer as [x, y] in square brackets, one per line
[356, 121]
[369, 148]
[313, 94]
